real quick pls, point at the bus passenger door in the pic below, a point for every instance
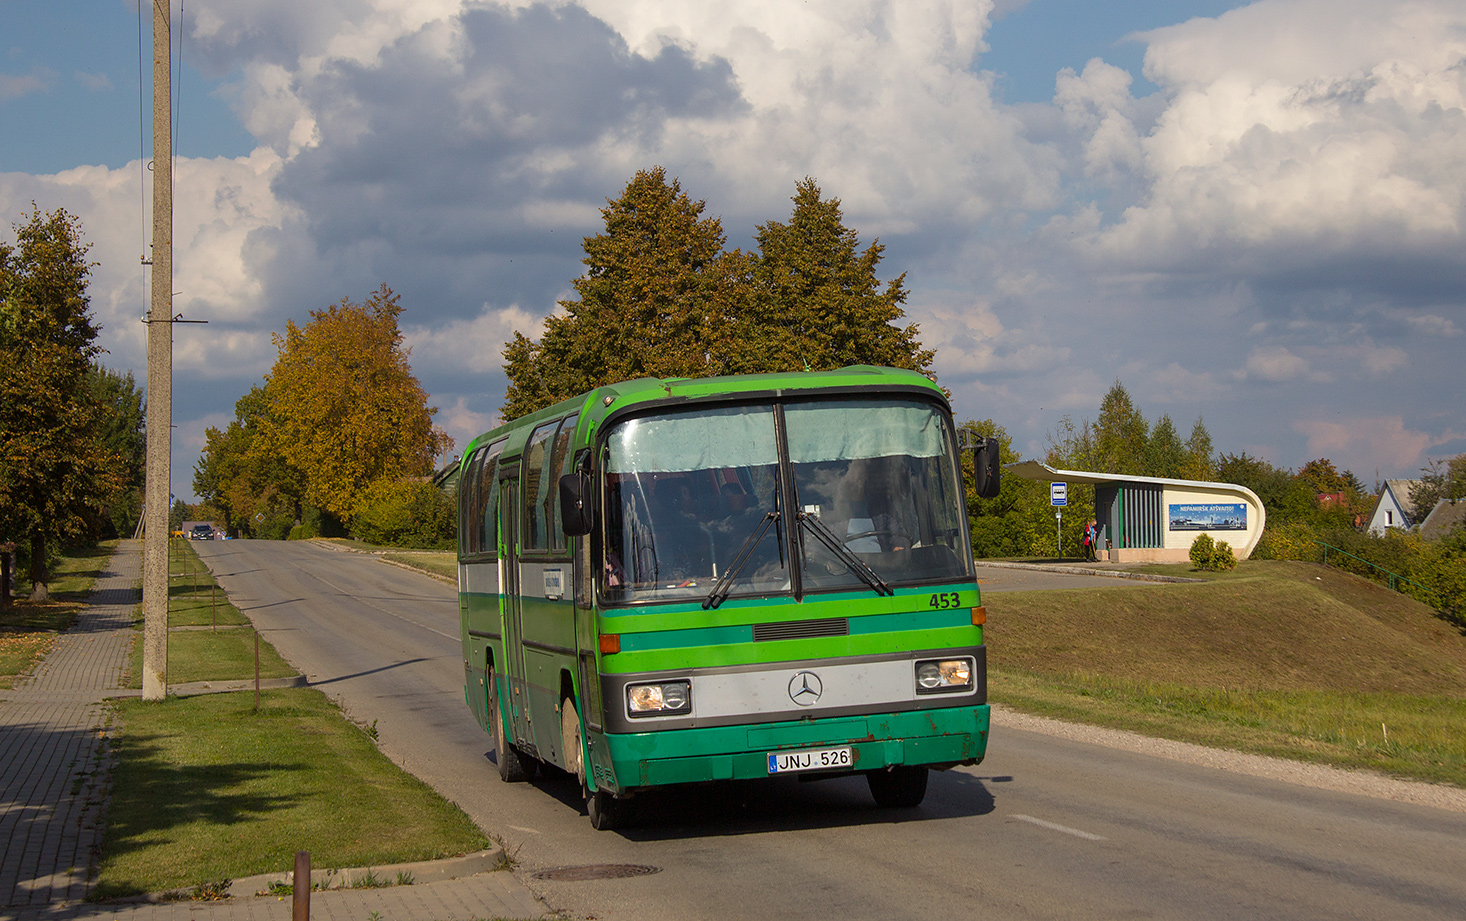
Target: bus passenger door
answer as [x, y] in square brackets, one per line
[517, 690]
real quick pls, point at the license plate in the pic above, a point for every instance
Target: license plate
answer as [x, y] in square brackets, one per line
[818, 760]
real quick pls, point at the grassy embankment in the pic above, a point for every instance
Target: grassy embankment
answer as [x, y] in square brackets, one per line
[1295, 660]
[209, 788]
[28, 629]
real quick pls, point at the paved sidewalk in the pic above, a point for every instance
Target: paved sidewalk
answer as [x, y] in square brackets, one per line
[53, 770]
[54, 778]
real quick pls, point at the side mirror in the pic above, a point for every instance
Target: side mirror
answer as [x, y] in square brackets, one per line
[575, 513]
[987, 467]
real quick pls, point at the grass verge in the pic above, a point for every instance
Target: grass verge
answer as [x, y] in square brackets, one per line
[1287, 659]
[195, 600]
[442, 563]
[207, 788]
[1408, 736]
[208, 655]
[28, 629]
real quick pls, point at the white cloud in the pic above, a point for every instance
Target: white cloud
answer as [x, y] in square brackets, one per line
[1302, 124]
[1367, 443]
[463, 423]
[13, 86]
[1275, 364]
[475, 345]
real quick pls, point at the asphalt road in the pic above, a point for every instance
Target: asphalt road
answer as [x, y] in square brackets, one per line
[1044, 828]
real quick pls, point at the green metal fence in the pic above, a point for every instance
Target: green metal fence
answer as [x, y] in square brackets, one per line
[1393, 579]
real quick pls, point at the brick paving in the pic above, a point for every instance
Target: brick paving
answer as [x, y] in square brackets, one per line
[53, 767]
[54, 779]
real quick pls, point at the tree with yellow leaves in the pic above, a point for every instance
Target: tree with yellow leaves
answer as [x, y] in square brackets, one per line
[345, 408]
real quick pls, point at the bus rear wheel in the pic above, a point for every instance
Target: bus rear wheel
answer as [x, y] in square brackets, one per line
[901, 787]
[511, 768]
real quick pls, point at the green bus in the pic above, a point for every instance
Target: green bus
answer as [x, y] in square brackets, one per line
[679, 581]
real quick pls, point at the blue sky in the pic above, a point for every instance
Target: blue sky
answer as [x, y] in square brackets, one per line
[1251, 214]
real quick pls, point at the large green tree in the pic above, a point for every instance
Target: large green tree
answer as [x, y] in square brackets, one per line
[642, 308]
[122, 429]
[814, 301]
[55, 472]
[1121, 441]
[243, 476]
[661, 298]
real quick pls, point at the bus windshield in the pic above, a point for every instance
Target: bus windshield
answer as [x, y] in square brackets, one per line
[691, 497]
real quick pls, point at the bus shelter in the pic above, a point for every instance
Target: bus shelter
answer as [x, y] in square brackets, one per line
[1154, 519]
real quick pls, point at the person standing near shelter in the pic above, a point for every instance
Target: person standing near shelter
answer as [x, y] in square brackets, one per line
[1091, 534]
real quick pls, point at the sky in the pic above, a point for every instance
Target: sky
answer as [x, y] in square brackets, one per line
[1248, 214]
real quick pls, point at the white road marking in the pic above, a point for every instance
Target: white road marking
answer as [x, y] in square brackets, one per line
[1054, 826]
[532, 831]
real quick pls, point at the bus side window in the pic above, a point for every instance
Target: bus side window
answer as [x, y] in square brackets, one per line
[488, 518]
[536, 460]
[468, 486]
[559, 465]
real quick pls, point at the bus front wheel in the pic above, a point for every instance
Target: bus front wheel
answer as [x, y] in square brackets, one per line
[901, 787]
[605, 811]
[511, 768]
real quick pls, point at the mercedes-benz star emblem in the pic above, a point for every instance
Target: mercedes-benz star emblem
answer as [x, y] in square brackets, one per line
[805, 689]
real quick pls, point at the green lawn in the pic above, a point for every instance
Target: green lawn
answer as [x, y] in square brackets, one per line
[227, 654]
[207, 788]
[1289, 659]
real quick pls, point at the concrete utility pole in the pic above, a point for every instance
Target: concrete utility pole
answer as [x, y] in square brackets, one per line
[160, 371]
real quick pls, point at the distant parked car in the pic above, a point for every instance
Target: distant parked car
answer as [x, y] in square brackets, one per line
[201, 532]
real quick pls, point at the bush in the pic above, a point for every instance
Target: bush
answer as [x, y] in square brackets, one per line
[1295, 540]
[1212, 556]
[405, 513]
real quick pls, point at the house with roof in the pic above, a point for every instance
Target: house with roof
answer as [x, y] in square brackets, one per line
[1393, 508]
[1447, 516]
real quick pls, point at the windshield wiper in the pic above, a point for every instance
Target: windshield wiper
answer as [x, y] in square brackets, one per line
[721, 589]
[846, 556]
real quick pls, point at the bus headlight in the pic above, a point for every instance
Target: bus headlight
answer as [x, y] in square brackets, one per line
[938, 676]
[667, 698]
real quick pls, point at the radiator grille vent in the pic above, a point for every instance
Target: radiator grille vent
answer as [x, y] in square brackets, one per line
[801, 629]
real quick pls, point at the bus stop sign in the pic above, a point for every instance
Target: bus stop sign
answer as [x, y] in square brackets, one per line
[1058, 494]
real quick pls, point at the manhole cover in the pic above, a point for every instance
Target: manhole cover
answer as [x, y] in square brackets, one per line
[595, 871]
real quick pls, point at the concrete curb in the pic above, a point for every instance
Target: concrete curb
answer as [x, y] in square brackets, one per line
[425, 871]
[195, 688]
[1089, 571]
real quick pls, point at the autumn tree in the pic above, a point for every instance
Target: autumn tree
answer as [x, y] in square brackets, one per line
[661, 298]
[55, 472]
[344, 407]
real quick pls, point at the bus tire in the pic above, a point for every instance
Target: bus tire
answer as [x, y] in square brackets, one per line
[572, 747]
[901, 787]
[506, 756]
[605, 811]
